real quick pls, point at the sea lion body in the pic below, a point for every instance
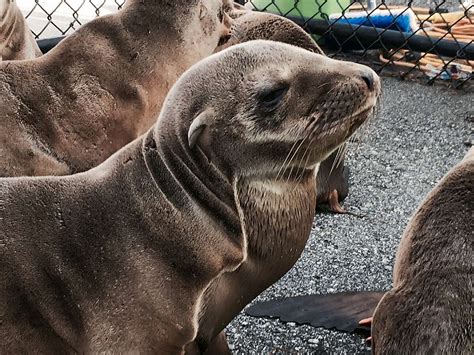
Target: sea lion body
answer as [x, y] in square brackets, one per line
[70, 109]
[429, 308]
[159, 247]
[16, 40]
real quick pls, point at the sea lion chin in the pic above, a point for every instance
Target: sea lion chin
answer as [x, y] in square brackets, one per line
[162, 245]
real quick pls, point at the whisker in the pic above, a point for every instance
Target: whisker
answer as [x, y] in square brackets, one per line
[284, 162]
[294, 156]
[335, 163]
[309, 129]
[306, 153]
[289, 153]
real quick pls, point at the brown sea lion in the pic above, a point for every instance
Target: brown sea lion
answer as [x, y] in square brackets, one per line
[333, 176]
[159, 247]
[429, 308]
[432, 268]
[16, 40]
[70, 109]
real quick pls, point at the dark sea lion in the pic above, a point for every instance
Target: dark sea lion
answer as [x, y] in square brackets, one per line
[333, 176]
[429, 308]
[70, 109]
[16, 40]
[163, 244]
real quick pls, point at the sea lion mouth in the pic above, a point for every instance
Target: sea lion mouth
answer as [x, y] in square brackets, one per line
[328, 128]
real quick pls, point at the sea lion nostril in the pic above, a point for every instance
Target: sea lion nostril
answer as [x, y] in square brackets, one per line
[368, 78]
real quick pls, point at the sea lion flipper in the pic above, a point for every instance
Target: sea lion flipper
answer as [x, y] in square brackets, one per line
[334, 204]
[341, 311]
[366, 322]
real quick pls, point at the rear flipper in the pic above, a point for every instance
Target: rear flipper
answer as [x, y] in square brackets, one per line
[332, 184]
[341, 311]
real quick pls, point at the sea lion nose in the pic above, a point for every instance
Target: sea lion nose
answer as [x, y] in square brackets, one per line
[368, 77]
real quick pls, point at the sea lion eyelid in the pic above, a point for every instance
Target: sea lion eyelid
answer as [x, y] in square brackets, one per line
[271, 97]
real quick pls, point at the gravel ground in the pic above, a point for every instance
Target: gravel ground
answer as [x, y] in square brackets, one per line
[418, 136]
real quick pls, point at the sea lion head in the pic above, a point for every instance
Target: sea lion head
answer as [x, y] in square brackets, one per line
[252, 25]
[263, 107]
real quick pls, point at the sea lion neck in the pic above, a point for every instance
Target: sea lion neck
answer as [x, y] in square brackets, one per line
[172, 165]
[149, 19]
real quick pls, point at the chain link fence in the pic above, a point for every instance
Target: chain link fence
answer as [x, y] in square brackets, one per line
[427, 39]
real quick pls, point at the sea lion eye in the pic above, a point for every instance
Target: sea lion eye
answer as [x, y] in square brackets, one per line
[272, 97]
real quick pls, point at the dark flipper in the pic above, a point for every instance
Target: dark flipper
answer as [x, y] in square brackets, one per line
[340, 311]
[332, 184]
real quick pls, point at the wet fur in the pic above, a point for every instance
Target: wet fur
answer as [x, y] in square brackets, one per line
[16, 40]
[429, 309]
[70, 109]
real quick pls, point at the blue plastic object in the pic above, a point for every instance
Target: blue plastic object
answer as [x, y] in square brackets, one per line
[401, 20]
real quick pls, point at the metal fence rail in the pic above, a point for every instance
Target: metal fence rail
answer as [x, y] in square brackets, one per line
[427, 39]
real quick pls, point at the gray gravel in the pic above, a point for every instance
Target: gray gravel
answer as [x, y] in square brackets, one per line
[418, 137]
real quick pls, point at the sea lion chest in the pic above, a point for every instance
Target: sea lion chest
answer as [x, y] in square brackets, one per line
[276, 221]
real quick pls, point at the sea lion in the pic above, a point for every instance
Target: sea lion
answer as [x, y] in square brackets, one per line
[159, 247]
[16, 40]
[333, 176]
[429, 308]
[332, 182]
[70, 109]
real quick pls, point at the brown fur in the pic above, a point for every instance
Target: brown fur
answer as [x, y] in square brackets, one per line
[159, 247]
[16, 40]
[429, 309]
[254, 25]
[70, 109]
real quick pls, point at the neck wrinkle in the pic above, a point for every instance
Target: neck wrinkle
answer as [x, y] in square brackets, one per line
[170, 164]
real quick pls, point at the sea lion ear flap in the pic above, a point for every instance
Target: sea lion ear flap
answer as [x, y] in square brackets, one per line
[197, 127]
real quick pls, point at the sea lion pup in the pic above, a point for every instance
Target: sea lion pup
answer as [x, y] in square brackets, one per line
[16, 40]
[70, 109]
[429, 309]
[333, 175]
[159, 247]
